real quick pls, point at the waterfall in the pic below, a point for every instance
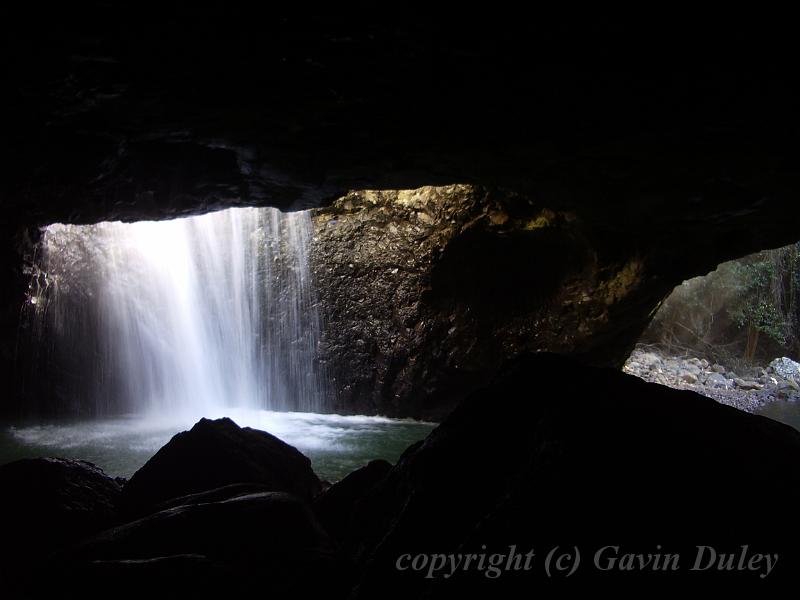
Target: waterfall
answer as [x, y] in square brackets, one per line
[193, 315]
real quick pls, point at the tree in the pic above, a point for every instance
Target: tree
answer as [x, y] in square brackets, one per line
[765, 302]
[744, 309]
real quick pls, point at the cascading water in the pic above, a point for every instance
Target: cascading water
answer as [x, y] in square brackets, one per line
[189, 316]
[137, 330]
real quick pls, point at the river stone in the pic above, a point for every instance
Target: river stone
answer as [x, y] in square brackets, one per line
[746, 384]
[785, 367]
[716, 380]
[214, 454]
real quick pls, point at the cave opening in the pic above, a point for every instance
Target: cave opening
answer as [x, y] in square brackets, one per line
[134, 331]
[732, 335]
[603, 160]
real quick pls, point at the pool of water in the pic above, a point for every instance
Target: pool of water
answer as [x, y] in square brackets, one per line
[336, 444]
[783, 411]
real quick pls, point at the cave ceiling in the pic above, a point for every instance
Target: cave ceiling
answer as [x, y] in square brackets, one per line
[669, 131]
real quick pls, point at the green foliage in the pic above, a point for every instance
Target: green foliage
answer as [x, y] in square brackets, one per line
[745, 308]
[763, 316]
[756, 305]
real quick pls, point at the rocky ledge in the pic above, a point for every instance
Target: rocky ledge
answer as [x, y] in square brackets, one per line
[748, 390]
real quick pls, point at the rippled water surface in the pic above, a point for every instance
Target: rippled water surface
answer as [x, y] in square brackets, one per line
[335, 444]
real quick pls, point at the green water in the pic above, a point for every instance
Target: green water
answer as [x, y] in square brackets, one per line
[783, 411]
[335, 444]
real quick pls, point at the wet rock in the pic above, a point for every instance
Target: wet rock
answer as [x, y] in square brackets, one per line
[214, 454]
[47, 503]
[226, 492]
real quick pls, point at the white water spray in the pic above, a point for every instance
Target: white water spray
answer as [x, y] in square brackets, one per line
[190, 316]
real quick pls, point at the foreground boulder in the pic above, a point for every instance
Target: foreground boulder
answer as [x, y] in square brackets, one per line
[557, 454]
[214, 454]
[268, 541]
[47, 503]
[337, 506]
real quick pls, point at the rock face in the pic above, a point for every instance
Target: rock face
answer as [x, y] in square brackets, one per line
[47, 503]
[295, 111]
[585, 457]
[214, 454]
[424, 293]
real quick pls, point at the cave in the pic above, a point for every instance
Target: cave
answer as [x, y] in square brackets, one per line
[348, 303]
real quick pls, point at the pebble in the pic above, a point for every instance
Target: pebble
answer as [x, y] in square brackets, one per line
[714, 380]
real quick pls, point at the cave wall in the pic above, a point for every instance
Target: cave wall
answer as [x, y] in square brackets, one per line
[425, 293]
[671, 143]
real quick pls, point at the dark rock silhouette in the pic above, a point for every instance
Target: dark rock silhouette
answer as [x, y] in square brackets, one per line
[48, 503]
[337, 506]
[214, 454]
[557, 454]
[268, 542]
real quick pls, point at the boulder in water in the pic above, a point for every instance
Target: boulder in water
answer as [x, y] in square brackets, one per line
[217, 453]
